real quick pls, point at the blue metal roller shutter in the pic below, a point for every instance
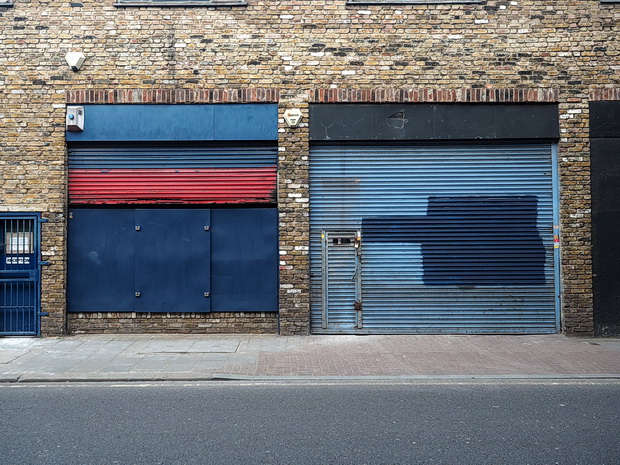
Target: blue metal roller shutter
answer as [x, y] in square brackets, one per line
[455, 238]
[172, 174]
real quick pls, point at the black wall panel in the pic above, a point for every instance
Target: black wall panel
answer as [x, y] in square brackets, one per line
[351, 122]
[605, 119]
[605, 179]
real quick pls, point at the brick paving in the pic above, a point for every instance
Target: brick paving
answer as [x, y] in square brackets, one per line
[437, 356]
[201, 357]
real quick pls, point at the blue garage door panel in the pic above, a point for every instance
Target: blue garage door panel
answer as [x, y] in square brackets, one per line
[173, 260]
[101, 261]
[244, 266]
[172, 251]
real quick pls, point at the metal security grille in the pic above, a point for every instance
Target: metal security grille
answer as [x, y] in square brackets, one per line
[454, 238]
[172, 174]
[19, 276]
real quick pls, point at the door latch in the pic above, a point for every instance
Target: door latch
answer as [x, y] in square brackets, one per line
[358, 240]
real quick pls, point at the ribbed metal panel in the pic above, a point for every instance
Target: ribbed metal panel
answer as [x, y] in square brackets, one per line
[171, 174]
[455, 238]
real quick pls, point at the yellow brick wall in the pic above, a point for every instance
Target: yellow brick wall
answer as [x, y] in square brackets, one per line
[296, 51]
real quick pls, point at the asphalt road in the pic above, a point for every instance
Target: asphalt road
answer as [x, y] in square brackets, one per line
[447, 422]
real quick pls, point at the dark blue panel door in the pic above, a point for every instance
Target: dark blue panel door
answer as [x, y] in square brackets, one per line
[245, 260]
[172, 261]
[101, 263]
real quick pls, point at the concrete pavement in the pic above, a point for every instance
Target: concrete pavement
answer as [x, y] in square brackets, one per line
[148, 357]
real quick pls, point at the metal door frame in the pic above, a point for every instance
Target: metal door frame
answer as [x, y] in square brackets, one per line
[326, 235]
[557, 234]
[33, 272]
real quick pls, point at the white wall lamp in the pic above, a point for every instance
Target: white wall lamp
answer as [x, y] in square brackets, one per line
[75, 60]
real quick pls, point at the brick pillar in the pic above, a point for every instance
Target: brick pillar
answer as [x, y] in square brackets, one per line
[53, 276]
[575, 215]
[293, 202]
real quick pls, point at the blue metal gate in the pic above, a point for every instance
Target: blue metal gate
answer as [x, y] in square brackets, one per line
[455, 238]
[20, 271]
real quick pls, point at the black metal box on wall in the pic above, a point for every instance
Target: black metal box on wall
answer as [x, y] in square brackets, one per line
[605, 182]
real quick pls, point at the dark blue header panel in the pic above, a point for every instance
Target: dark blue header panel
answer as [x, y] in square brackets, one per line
[217, 122]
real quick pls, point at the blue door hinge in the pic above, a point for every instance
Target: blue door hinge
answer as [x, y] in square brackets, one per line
[43, 314]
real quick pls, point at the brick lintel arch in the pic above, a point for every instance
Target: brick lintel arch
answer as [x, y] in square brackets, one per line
[428, 95]
[172, 96]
